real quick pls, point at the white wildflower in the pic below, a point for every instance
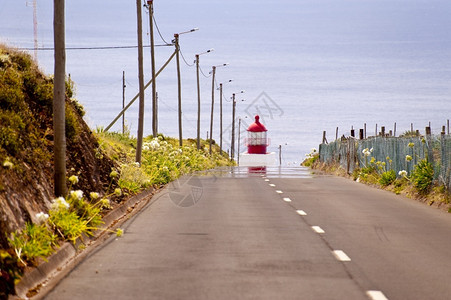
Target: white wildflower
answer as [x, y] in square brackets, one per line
[42, 217]
[402, 173]
[59, 203]
[78, 194]
[154, 144]
[366, 152]
[105, 203]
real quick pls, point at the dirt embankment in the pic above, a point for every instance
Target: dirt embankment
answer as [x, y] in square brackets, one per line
[26, 144]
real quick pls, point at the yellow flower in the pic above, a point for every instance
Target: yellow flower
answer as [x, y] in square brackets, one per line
[119, 232]
[73, 179]
[114, 174]
[7, 164]
[94, 195]
[408, 158]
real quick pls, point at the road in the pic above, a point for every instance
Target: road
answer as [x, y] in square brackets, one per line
[280, 235]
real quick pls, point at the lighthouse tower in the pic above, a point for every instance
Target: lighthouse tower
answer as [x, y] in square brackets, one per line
[257, 143]
[256, 138]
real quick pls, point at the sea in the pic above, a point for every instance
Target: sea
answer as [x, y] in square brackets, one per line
[305, 66]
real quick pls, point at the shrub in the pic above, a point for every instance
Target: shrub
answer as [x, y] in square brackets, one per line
[33, 242]
[422, 176]
[387, 177]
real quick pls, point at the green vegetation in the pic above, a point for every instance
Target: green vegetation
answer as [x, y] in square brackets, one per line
[162, 159]
[75, 215]
[26, 140]
[311, 158]
[422, 176]
[419, 184]
[387, 178]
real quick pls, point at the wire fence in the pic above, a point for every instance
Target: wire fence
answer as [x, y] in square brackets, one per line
[398, 153]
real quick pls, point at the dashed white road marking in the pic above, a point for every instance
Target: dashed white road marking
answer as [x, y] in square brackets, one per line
[272, 184]
[318, 229]
[266, 180]
[287, 199]
[376, 295]
[279, 192]
[340, 255]
[301, 212]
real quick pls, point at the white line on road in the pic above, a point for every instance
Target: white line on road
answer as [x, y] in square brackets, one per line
[272, 184]
[340, 255]
[301, 212]
[287, 199]
[279, 192]
[376, 295]
[266, 180]
[318, 229]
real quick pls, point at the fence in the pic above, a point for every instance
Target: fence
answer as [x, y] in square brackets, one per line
[349, 154]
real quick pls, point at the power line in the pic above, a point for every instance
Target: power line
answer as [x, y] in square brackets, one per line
[93, 48]
[189, 65]
[159, 33]
[204, 73]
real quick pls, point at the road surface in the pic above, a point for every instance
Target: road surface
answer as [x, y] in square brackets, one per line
[281, 235]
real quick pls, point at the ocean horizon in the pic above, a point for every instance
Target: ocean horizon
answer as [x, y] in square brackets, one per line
[306, 66]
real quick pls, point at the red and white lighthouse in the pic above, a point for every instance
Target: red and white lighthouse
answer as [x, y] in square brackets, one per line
[256, 137]
[257, 143]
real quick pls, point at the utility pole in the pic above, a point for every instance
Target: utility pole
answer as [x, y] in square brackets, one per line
[220, 118]
[213, 72]
[179, 82]
[212, 103]
[198, 96]
[139, 143]
[59, 97]
[154, 86]
[179, 85]
[280, 155]
[35, 30]
[232, 148]
[239, 140]
[198, 102]
[123, 101]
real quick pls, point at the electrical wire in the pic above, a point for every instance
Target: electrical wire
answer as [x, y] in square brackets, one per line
[92, 48]
[158, 29]
[183, 57]
[204, 73]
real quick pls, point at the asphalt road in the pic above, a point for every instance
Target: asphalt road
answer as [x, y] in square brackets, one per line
[237, 236]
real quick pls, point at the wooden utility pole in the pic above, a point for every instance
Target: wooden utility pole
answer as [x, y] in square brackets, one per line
[198, 102]
[239, 141]
[59, 97]
[123, 101]
[220, 118]
[232, 147]
[152, 61]
[139, 143]
[179, 85]
[212, 103]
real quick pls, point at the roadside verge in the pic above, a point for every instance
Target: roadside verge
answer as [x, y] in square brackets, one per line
[39, 281]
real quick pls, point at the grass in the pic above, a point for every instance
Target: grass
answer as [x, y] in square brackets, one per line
[419, 184]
